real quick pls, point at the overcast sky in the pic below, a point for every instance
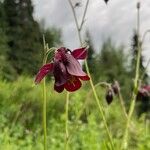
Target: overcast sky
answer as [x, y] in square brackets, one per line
[116, 20]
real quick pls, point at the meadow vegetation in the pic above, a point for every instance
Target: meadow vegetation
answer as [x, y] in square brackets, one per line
[21, 120]
[21, 102]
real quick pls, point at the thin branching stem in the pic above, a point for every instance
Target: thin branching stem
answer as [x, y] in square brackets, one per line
[136, 85]
[67, 131]
[122, 104]
[142, 76]
[85, 105]
[143, 39]
[76, 21]
[88, 72]
[84, 14]
[145, 34]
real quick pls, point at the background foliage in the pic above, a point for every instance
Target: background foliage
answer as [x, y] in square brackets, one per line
[21, 128]
[21, 39]
[21, 103]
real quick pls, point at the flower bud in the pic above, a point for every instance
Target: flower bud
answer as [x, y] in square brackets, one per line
[115, 87]
[138, 5]
[106, 1]
[109, 96]
[77, 4]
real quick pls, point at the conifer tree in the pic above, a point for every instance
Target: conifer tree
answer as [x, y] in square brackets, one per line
[112, 61]
[5, 67]
[24, 35]
[112, 64]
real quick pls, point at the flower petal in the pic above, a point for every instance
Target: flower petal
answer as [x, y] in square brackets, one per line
[59, 89]
[60, 54]
[73, 66]
[43, 72]
[72, 84]
[85, 78]
[146, 87]
[60, 73]
[80, 53]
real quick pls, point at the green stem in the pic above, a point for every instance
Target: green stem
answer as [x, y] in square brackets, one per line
[44, 115]
[85, 105]
[87, 69]
[67, 132]
[47, 51]
[144, 36]
[100, 107]
[142, 76]
[136, 85]
[122, 104]
[44, 98]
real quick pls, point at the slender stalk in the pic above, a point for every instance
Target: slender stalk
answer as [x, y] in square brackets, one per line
[44, 99]
[16, 118]
[84, 14]
[132, 106]
[85, 105]
[47, 51]
[121, 100]
[44, 115]
[79, 114]
[144, 36]
[122, 104]
[147, 126]
[76, 21]
[67, 132]
[87, 69]
[142, 76]
[100, 108]
[143, 39]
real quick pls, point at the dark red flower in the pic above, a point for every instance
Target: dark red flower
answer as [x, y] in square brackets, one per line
[66, 69]
[143, 92]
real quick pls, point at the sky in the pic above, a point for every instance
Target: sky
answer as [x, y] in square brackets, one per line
[116, 20]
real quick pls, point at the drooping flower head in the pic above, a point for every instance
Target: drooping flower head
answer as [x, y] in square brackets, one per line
[66, 69]
[109, 96]
[106, 1]
[143, 92]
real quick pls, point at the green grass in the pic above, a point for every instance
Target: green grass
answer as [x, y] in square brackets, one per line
[21, 119]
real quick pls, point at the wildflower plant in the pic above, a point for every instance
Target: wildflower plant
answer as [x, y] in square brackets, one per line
[68, 74]
[66, 69]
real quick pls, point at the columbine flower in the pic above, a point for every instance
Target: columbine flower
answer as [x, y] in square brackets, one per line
[143, 93]
[66, 69]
